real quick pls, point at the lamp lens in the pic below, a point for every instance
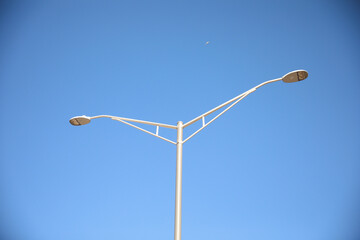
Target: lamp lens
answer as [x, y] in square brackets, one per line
[302, 75]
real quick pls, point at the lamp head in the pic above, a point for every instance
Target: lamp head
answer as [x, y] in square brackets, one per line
[80, 120]
[295, 76]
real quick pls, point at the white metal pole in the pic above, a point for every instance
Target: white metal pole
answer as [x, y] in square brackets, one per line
[179, 147]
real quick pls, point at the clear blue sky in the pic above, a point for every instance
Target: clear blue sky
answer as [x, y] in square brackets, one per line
[283, 164]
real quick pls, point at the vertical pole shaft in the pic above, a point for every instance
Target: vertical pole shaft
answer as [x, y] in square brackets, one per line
[179, 146]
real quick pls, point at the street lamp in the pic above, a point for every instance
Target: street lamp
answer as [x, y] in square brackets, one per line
[290, 77]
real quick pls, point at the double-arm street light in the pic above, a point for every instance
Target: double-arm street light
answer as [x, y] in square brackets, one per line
[290, 77]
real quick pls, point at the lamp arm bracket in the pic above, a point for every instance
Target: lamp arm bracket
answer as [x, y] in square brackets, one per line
[233, 102]
[141, 129]
[217, 116]
[218, 107]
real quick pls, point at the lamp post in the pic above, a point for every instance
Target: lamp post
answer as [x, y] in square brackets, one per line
[290, 77]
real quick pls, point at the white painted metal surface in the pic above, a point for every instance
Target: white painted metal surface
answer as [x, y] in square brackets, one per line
[178, 184]
[294, 76]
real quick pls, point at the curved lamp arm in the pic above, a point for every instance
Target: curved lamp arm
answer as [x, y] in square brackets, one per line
[82, 120]
[234, 101]
[135, 120]
[294, 76]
